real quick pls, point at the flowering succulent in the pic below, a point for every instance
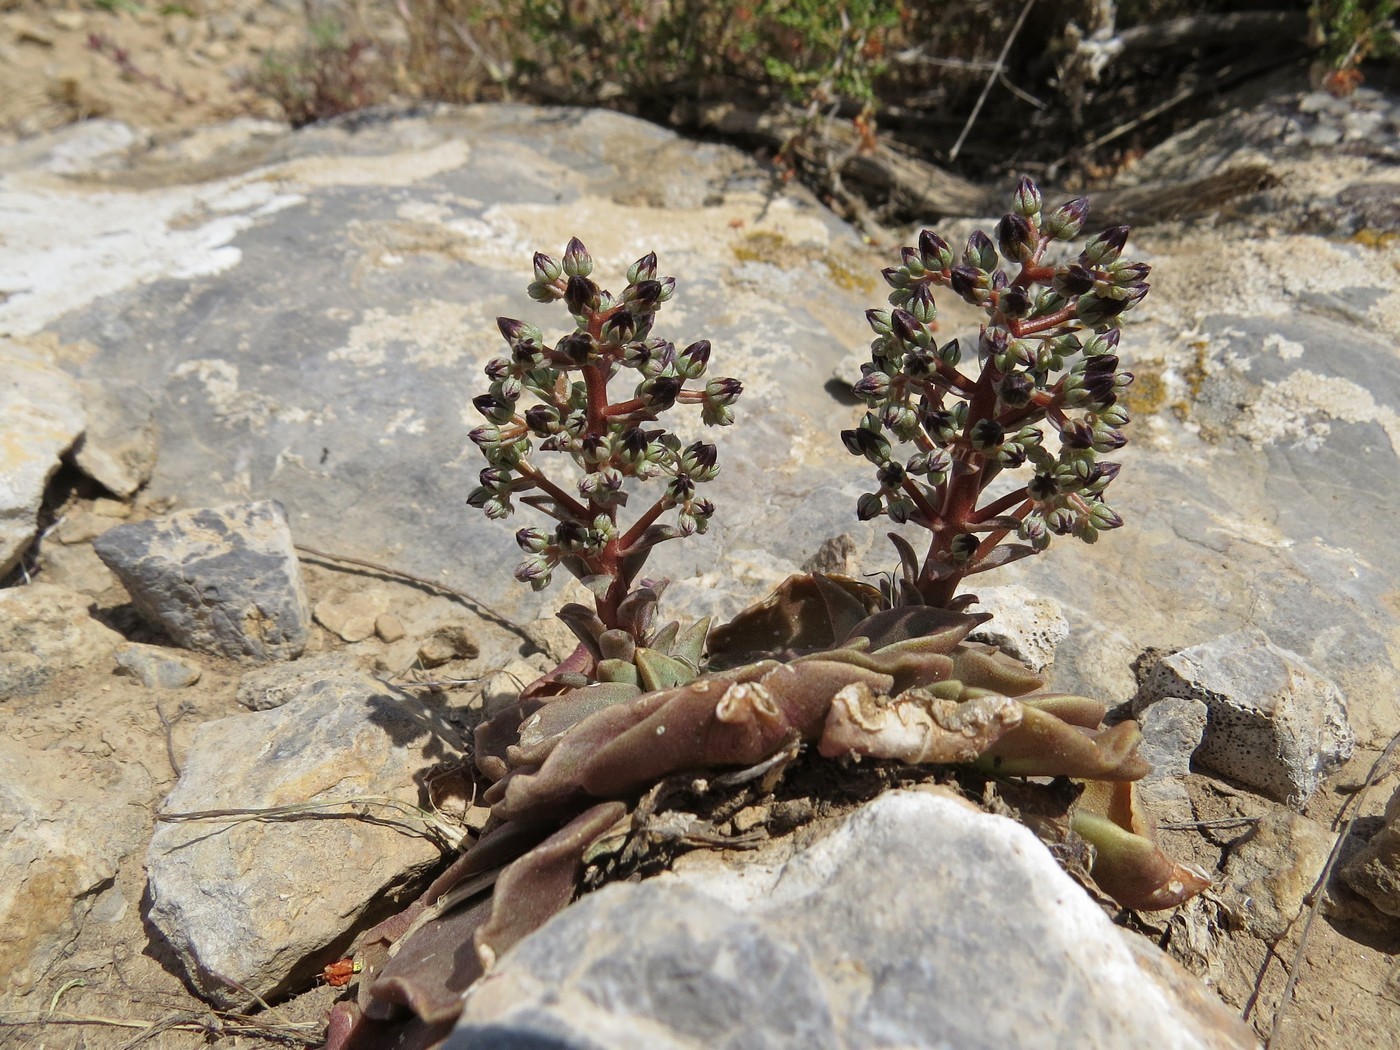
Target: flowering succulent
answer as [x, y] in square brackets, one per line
[1046, 362]
[545, 398]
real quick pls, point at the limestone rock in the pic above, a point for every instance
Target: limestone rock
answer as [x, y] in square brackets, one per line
[267, 904]
[1172, 730]
[219, 580]
[1275, 723]
[352, 616]
[1025, 626]
[41, 416]
[983, 942]
[1375, 871]
[66, 822]
[44, 630]
[118, 447]
[156, 667]
[1269, 875]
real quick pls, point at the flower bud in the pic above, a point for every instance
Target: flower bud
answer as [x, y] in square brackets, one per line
[963, 547]
[1103, 517]
[906, 328]
[1015, 302]
[934, 251]
[691, 362]
[579, 294]
[1015, 390]
[1067, 220]
[900, 509]
[493, 408]
[700, 461]
[516, 332]
[1073, 280]
[879, 320]
[532, 541]
[987, 434]
[644, 269]
[891, 475]
[1016, 237]
[645, 295]
[912, 264]
[920, 303]
[575, 349]
[868, 507]
[497, 368]
[968, 284]
[660, 393]
[620, 327]
[723, 391]
[546, 269]
[1043, 487]
[868, 443]
[542, 420]
[875, 386]
[980, 254]
[1027, 197]
[577, 261]
[1105, 247]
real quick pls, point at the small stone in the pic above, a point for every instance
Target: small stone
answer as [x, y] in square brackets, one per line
[837, 554]
[156, 667]
[1375, 871]
[219, 580]
[447, 644]
[388, 627]
[502, 688]
[1275, 723]
[1269, 876]
[73, 21]
[1024, 626]
[351, 617]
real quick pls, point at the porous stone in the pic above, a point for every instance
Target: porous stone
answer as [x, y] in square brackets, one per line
[41, 416]
[1172, 731]
[447, 643]
[1275, 723]
[1024, 625]
[66, 822]
[872, 937]
[222, 580]
[351, 616]
[157, 668]
[1269, 874]
[261, 906]
[118, 446]
[45, 630]
[1374, 872]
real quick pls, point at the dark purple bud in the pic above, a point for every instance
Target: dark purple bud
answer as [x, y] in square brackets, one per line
[645, 295]
[699, 458]
[1106, 246]
[905, 326]
[1043, 487]
[570, 534]
[575, 348]
[1016, 236]
[1015, 302]
[1016, 390]
[542, 419]
[963, 547]
[894, 278]
[867, 443]
[987, 433]
[723, 391]
[964, 281]
[934, 251]
[1135, 295]
[1076, 433]
[980, 253]
[681, 488]
[546, 269]
[868, 507]
[692, 360]
[644, 269]
[1027, 196]
[494, 478]
[594, 448]
[1104, 472]
[879, 321]
[1129, 273]
[532, 541]
[579, 294]
[874, 387]
[480, 497]
[497, 368]
[1068, 219]
[1073, 280]
[620, 327]
[1109, 440]
[660, 393]
[912, 263]
[891, 475]
[577, 261]
[493, 408]
[918, 364]
[487, 434]
[513, 330]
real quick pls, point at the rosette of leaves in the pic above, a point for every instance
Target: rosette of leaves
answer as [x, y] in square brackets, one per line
[559, 399]
[1039, 395]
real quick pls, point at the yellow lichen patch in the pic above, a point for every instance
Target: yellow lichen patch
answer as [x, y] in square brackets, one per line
[1148, 392]
[1369, 238]
[773, 248]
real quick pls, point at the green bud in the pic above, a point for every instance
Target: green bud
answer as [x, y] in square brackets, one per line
[577, 261]
[1027, 197]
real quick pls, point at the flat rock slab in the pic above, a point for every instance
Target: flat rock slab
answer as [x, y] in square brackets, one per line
[221, 580]
[41, 416]
[262, 906]
[46, 630]
[916, 923]
[1274, 723]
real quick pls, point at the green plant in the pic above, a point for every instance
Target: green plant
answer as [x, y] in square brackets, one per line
[330, 74]
[1352, 31]
[574, 768]
[1045, 356]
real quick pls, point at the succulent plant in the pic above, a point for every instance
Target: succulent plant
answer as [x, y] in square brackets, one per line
[1046, 360]
[558, 399]
[829, 664]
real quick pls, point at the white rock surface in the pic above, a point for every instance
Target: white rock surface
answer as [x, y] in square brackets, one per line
[917, 923]
[264, 905]
[1275, 723]
[41, 416]
[1172, 731]
[1024, 625]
